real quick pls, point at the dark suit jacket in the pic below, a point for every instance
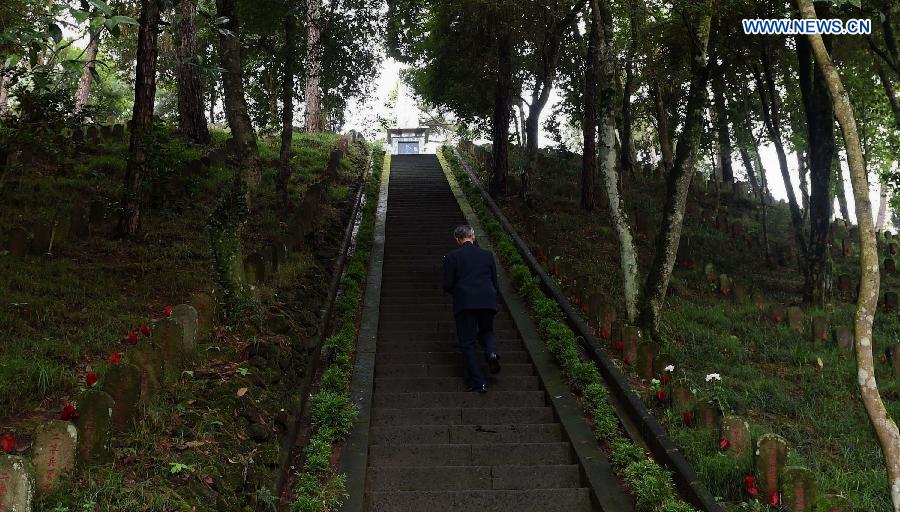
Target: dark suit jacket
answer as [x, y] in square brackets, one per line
[470, 274]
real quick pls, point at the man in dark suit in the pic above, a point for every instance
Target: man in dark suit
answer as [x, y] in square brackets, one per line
[470, 274]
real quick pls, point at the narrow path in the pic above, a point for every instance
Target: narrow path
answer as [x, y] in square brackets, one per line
[433, 446]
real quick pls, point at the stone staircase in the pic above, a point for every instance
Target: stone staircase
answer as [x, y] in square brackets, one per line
[433, 447]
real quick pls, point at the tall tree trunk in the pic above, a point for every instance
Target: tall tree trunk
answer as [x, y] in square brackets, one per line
[242, 131]
[628, 156]
[662, 125]
[764, 203]
[803, 175]
[191, 120]
[841, 191]
[883, 200]
[132, 217]
[213, 97]
[87, 75]
[500, 118]
[885, 427]
[589, 121]
[679, 178]
[287, 105]
[722, 136]
[772, 119]
[313, 95]
[601, 37]
[820, 137]
[4, 92]
[751, 174]
[887, 85]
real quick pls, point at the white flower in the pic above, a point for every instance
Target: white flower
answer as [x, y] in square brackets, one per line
[713, 376]
[654, 382]
[670, 368]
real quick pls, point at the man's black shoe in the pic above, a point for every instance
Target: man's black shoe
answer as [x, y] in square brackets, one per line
[479, 389]
[494, 363]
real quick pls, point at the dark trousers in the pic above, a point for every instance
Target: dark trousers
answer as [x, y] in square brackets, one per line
[472, 324]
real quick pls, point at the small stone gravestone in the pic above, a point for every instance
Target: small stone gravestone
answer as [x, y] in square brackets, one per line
[890, 267]
[646, 356]
[890, 301]
[93, 134]
[123, 383]
[255, 268]
[892, 249]
[778, 313]
[17, 241]
[16, 484]
[206, 313]
[189, 319]
[771, 454]
[42, 240]
[759, 300]
[710, 270]
[725, 285]
[631, 337]
[54, 448]
[148, 358]
[739, 294]
[78, 222]
[843, 286]
[798, 489]
[77, 136]
[708, 414]
[168, 335]
[106, 131]
[795, 318]
[820, 328]
[94, 425]
[118, 131]
[682, 398]
[606, 319]
[833, 503]
[737, 432]
[844, 337]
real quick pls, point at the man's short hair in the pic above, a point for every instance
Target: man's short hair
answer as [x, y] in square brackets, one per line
[463, 232]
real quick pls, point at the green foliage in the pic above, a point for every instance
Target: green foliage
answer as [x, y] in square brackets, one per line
[624, 453]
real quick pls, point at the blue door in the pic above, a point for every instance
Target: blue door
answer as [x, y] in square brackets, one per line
[408, 148]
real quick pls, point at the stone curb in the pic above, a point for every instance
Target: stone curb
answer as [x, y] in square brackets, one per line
[355, 452]
[629, 406]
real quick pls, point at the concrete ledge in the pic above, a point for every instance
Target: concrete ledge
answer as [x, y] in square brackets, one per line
[606, 489]
[629, 406]
[355, 453]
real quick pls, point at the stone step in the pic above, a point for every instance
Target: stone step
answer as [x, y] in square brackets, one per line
[455, 478]
[386, 346]
[512, 357]
[467, 434]
[439, 322]
[535, 500]
[396, 331]
[460, 416]
[388, 370]
[432, 384]
[460, 399]
[507, 454]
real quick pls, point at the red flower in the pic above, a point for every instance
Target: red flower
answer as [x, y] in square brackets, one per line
[661, 395]
[725, 292]
[68, 412]
[823, 336]
[724, 444]
[750, 480]
[627, 360]
[688, 418]
[620, 345]
[775, 499]
[167, 311]
[883, 358]
[777, 318]
[90, 379]
[115, 358]
[584, 308]
[145, 330]
[8, 443]
[604, 333]
[752, 491]
[132, 338]
[666, 379]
